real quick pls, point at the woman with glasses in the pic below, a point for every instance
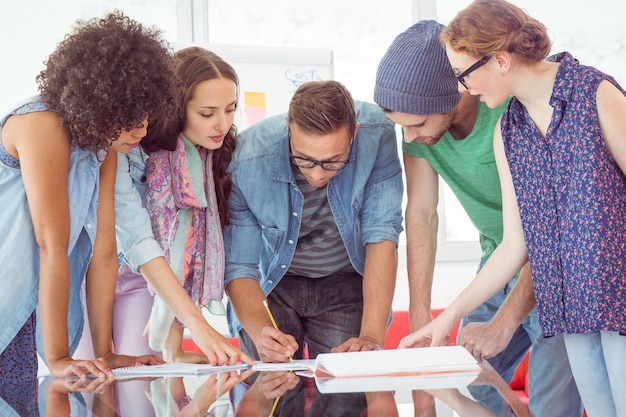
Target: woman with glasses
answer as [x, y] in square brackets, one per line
[561, 153]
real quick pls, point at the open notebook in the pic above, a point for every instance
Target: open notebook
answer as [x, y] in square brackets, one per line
[391, 362]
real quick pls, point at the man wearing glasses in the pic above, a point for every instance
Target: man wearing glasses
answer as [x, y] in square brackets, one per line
[448, 133]
[315, 219]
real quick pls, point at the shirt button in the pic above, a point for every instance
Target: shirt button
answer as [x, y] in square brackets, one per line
[295, 214]
[290, 242]
[270, 281]
[283, 266]
[88, 225]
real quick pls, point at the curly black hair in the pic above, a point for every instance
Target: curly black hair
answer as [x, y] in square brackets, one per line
[106, 76]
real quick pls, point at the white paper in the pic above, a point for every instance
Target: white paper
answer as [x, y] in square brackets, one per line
[175, 369]
[415, 361]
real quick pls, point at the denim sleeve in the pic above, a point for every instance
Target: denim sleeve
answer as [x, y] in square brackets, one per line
[135, 241]
[242, 240]
[381, 215]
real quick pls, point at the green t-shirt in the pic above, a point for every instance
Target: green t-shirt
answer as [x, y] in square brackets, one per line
[469, 167]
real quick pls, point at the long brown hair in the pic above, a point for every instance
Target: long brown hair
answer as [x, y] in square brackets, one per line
[195, 65]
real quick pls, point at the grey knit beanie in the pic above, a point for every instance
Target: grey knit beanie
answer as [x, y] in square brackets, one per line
[415, 76]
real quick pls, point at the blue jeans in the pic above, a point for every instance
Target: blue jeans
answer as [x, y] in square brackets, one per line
[553, 391]
[599, 367]
[319, 313]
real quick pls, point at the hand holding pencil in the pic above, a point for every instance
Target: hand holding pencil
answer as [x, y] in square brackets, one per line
[272, 344]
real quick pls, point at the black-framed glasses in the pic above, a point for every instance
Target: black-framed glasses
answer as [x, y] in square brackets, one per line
[461, 77]
[306, 163]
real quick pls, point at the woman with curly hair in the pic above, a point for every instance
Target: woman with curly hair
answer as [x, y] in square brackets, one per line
[172, 198]
[57, 173]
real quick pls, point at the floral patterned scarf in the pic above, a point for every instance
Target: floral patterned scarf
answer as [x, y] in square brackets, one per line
[180, 199]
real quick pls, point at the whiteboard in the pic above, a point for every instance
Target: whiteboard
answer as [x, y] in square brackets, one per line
[268, 76]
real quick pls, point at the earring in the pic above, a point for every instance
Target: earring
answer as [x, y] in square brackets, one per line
[503, 71]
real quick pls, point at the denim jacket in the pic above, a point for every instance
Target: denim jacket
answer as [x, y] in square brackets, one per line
[266, 203]
[19, 251]
[135, 241]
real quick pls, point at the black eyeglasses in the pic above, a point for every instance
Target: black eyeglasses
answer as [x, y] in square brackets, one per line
[461, 77]
[307, 163]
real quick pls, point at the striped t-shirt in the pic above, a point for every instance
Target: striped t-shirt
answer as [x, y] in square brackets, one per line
[320, 251]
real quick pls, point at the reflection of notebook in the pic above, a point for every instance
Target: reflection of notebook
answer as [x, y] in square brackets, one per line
[389, 362]
[174, 369]
[396, 383]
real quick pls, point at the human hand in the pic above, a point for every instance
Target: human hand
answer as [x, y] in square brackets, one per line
[357, 344]
[434, 333]
[67, 367]
[274, 345]
[484, 340]
[217, 348]
[121, 361]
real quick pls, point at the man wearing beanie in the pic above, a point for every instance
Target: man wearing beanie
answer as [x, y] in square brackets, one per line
[450, 134]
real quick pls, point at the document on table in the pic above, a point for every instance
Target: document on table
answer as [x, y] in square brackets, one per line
[175, 369]
[295, 365]
[389, 362]
[396, 362]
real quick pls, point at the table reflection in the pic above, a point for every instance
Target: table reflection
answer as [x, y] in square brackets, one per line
[253, 394]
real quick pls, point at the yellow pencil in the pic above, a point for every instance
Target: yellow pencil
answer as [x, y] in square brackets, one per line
[274, 406]
[269, 313]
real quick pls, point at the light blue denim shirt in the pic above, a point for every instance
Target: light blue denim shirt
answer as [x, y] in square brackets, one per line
[135, 241]
[19, 251]
[266, 203]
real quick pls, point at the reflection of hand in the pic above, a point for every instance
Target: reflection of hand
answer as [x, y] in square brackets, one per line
[489, 376]
[423, 404]
[59, 390]
[356, 344]
[381, 404]
[274, 345]
[211, 390]
[462, 405]
[484, 340]
[275, 383]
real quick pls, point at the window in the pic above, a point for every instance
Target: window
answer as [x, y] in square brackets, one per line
[30, 31]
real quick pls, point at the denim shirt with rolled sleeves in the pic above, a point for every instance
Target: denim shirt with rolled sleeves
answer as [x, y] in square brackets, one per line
[19, 251]
[266, 203]
[135, 241]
